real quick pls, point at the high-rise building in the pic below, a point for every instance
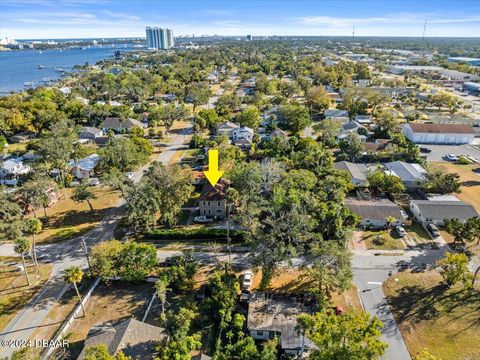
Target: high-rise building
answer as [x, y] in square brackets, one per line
[249, 37]
[158, 38]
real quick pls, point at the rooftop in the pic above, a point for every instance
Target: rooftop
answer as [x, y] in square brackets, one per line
[217, 193]
[406, 171]
[445, 209]
[442, 128]
[378, 209]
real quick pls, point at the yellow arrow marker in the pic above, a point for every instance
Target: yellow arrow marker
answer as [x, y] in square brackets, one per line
[213, 174]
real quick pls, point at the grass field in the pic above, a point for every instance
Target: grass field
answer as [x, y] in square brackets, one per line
[67, 218]
[444, 321]
[470, 190]
[389, 241]
[14, 292]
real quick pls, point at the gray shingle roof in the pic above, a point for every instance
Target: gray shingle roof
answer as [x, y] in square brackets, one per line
[445, 209]
[406, 171]
[374, 209]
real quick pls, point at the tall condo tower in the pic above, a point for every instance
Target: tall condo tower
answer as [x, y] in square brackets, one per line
[158, 38]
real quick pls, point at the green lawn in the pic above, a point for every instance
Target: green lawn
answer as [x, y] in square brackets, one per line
[16, 148]
[417, 233]
[444, 321]
[382, 240]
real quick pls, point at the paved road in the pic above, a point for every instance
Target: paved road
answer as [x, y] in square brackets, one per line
[369, 274]
[69, 253]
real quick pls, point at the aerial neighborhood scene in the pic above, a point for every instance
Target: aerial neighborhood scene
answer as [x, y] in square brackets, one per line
[257, 180]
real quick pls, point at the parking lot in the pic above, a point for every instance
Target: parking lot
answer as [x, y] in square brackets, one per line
[439, 152]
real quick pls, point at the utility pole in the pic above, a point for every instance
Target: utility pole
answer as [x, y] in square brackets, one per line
[353, 32]
[424, 29]
[228, 229]
[85, 248]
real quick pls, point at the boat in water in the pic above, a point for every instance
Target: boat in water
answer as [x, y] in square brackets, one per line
[29, 84]
[40, 66]
[59, 69]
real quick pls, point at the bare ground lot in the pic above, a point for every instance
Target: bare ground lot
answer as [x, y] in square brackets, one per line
[444, 321]
[111, 302]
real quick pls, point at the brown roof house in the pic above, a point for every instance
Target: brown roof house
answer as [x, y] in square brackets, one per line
[439, 133]
[212, 201]
[134, 338]
[118, 125]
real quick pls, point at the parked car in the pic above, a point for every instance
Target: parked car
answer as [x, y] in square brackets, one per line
[452, 157]
[433, 229]
[247, 280]
[425, 150]
[202, 219]
[93, 182]
[400, 231]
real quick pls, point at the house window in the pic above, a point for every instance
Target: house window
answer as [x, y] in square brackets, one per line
[259, 332]
[219, 211]
[209, 203]
[208, 212]
[219, 203]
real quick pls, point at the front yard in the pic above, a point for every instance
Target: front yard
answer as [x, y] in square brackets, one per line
[444, 321]
[382, 240]
[14, 291]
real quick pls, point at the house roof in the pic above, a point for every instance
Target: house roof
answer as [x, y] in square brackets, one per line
[277, 312]
[243, 129]
[406, 171]
[227, 125]
[336, 113]
[87, 164]
[201, 357]
[116, 123]
[378, 209]
[356, 171]
[11, 164]
[217, 193]
[135, 338]
[445, 209]
[90, 130]
[442, 128]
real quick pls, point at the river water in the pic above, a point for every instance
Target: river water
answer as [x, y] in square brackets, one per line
[20, 66]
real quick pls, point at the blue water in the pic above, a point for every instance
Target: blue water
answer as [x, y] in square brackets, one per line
[20, 66]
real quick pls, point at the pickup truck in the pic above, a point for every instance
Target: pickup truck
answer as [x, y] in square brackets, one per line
[202, 219]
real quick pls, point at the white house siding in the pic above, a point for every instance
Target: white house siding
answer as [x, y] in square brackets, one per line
[262, 334]
[437, 138]
[213, 208]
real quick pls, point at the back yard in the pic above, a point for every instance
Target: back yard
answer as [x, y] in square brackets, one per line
[444, 321]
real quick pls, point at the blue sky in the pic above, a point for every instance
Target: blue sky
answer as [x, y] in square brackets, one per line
[26, 19]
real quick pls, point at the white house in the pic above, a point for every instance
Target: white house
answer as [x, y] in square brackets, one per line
[275, 315]
[90, 132]
[435, 212]
[85, 167]
[242, 132]
[226, 128]
[358, 172]
[336, 114]
[11, 169]
[439, 133]
[412, 175]
[374, 213]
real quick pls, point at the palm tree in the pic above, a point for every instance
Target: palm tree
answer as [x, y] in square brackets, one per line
[34, 226]
[161, 288]
[22, 245]
[74, 275]
[83, 193]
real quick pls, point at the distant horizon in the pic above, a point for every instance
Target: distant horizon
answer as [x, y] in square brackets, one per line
[77, 19]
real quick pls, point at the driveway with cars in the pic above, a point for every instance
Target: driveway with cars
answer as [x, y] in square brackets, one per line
[439, 152]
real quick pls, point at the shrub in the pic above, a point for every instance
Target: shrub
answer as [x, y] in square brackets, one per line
[199, 233]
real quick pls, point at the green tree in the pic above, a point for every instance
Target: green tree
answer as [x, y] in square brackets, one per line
[105, 259]
[442, 182]
[34, 227]
[100, 352]
[117, 180]
[73, 275]
[318, 99]
[136, 261]
[425, 355]
[354, 335]
[161, 289]
[380, 182]
[83, 193]
[295, 117]
[250, 117]
[351, 147]
[181, 274]
[386, 125]
[208, 118]
[22, 246]
[454, 268]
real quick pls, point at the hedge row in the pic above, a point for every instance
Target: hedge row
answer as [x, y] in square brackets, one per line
[198, 233]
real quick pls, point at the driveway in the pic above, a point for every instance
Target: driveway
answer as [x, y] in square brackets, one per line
[439, 151]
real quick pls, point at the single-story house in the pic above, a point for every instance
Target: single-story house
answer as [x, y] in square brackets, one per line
[363, 119]
[358, 172]
[374, 213]
[439, 133]
[65, 90]
[336, 114]
[13, 167]
[90, 133]
[226, 128]
[278, 133]
[244, 144]
[212, 201]
[242, 132]
[118, 125]
[275, 315]
[85, 167]
[22, 137]
[134, 338]
[435, 212]
[412, 175]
